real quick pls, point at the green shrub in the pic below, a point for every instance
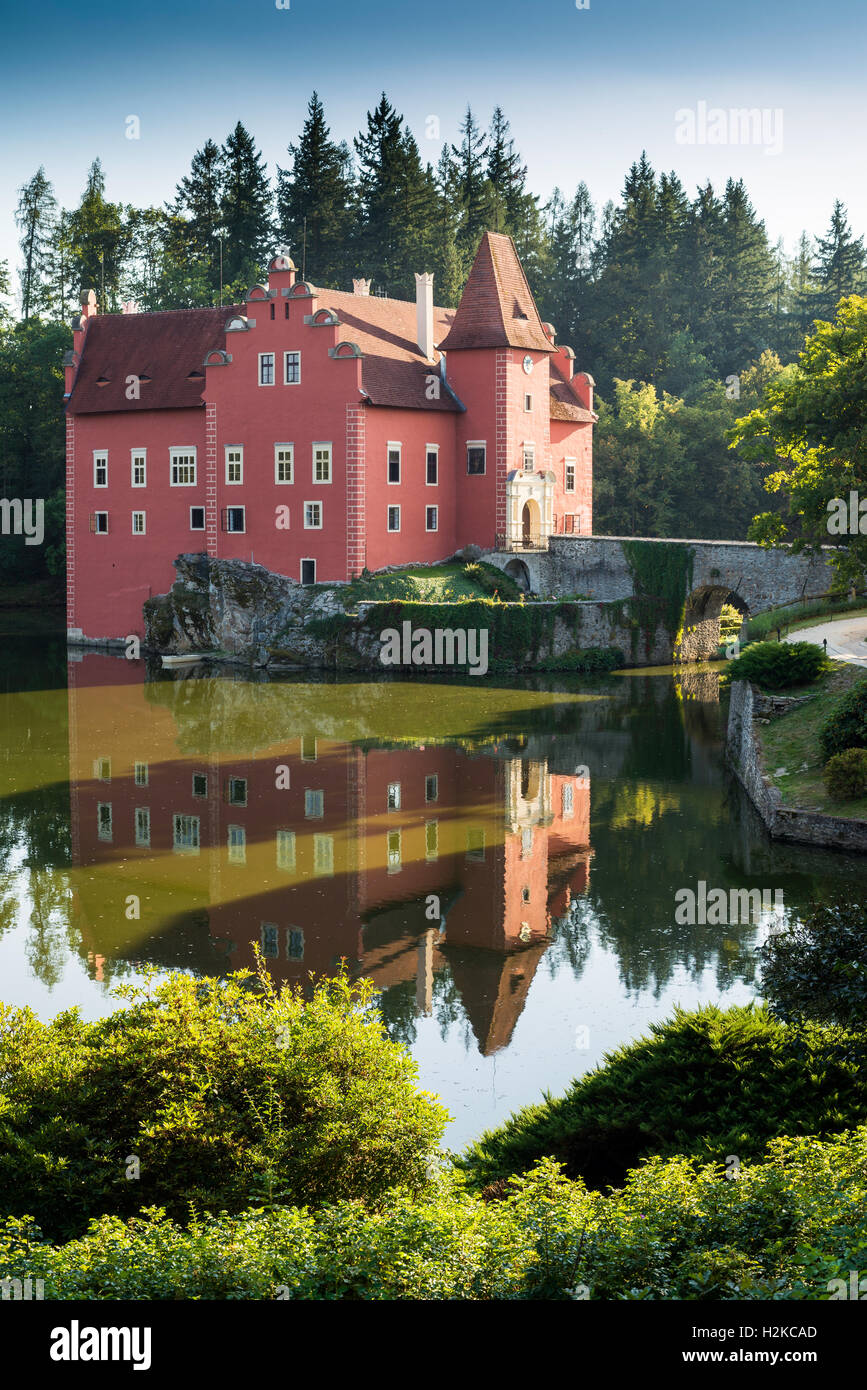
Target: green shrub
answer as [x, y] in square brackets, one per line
[778, 665]
[707, 1084]
[846, 774]
[846, 726]
[787, 1227]
[817, 968]
[226, 1092]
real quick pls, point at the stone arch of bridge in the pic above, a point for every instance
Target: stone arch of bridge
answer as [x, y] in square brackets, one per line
[700, 632]
[517, 570]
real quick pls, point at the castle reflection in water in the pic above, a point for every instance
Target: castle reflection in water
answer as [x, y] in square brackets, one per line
[209, 814]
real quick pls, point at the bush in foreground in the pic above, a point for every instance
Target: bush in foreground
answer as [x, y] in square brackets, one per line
[846, 774]
[846, 726]
[785, 1228]
[224, 1092]
[778, 665]
[706, 1084]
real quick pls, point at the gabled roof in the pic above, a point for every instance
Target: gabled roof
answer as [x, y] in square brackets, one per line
[163, 347]
[497, 307]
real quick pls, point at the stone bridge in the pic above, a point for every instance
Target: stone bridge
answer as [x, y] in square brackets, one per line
[602, 570]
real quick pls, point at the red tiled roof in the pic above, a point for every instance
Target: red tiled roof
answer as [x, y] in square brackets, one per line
[165, 347]
[565, 405]
[393, 371]
[497, 308]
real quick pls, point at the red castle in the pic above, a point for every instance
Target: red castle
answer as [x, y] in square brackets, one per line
[317, 432]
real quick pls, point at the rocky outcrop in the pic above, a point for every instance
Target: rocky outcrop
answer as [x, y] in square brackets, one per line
[233, 610]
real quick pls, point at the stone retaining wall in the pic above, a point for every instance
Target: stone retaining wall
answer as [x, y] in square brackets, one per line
[744, 753]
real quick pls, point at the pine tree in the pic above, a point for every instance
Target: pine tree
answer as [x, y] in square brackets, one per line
[449, 263]
[396, 200]
[99, 241]
[314, 200]
[34, 217]
[742, 319]
[197, 213]
[474, 190]
[245, 211]
[840, 267]
[507, 176]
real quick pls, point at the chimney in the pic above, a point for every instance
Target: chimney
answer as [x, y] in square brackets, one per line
[361, 287]
[424, 315]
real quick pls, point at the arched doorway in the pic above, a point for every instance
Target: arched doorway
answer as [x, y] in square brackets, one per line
[531, 527]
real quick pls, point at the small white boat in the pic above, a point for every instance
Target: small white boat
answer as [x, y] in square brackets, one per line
[188, 659]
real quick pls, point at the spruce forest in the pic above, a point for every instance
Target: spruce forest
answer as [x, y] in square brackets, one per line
[674, 299]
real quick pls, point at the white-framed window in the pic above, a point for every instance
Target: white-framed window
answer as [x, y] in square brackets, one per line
[323, 854]
[568, 800]
[312, 520]
[476, 844]
[286, 851]
[235, 519]
[141, 774]
[292, 368]
[284, 463]
[394, 518]
[393, 463]
[527, 842]
[236, 791]
[308, 571]
[237, 844]
[103, 820]
[270, 940]
[234, 463]
[197, 518]
[294, 943]
[431, 839]
[142, 827]
[102, 769]
[431, 518]
[138, 467]
[100, 468]
[476, 454]
[432, 787]
[139, 523]
[314, 805]
[393, 852]
[183, 467]
[392, 796]
[99, 523]
[569, 475]
[528, 401]
[266, 369]
[185, 834]
[432, 465]
[529, 452]
[200, 785]
[322, 463]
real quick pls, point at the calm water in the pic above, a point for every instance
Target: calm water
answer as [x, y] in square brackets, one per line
[501, 858]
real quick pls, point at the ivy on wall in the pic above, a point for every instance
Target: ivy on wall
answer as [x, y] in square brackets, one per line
[662, 576]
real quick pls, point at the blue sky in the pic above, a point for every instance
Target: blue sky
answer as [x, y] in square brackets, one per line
[585, 90]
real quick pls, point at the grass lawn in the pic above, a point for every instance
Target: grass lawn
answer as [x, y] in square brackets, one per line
[431, 584]
[791, 753]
